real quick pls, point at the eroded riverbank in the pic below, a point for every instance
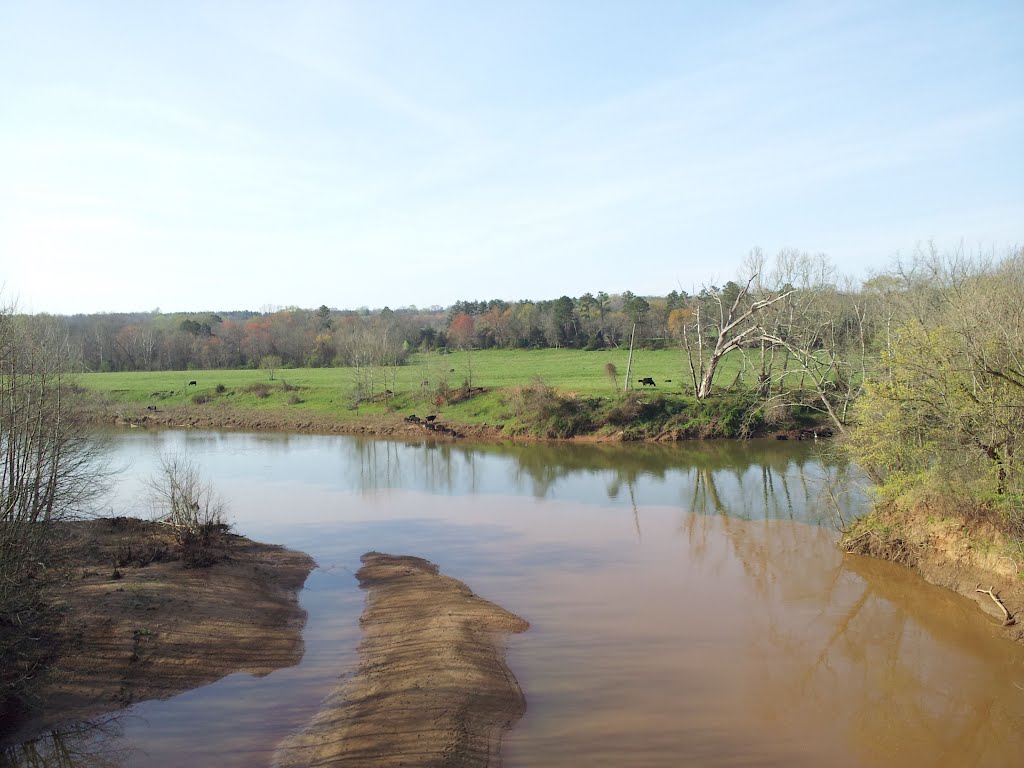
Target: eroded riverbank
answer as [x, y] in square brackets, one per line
[969, 557]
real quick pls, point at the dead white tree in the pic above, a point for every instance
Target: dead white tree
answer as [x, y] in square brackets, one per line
[735, 327]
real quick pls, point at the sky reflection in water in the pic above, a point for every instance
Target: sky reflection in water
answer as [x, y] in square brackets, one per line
[687, 602]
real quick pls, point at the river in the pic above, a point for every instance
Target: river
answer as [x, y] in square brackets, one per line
[688, 604]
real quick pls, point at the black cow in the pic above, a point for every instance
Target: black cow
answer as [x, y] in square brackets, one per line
[431, 417]
[150, 407]
[648, 382]
[192, 383]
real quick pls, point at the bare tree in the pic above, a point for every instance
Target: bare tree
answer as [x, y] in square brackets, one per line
[824, 332]
[188, 503]
[52, 467]
[726, 320]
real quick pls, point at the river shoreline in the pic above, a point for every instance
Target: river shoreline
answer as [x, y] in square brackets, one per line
[123, 631]
[968, 557]
[392, 425]
[953, 565]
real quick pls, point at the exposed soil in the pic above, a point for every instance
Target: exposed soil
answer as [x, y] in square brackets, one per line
[382, 425]
[135, 632]
[431, 688]
[391, 425]
[950, 551]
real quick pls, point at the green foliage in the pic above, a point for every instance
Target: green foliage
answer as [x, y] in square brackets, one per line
[943, 415]
[427, 383]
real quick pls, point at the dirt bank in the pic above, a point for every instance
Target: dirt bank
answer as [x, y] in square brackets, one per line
[383, 425]
[389, 425]
[431, 687]
[134, 632]
[950, 551]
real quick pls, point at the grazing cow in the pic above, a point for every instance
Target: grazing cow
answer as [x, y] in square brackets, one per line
[431, 417]
[412, 419]
[648, 382]
[192, 383]
[150, 407]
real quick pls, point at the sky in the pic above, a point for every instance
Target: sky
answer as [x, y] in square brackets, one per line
[193, 156]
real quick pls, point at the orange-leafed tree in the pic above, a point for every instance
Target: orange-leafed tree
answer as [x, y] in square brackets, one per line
[461, 331]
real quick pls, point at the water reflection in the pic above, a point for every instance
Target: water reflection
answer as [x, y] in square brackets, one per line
[756, 480]
[753, 480]
[681, 610]
[96, 743]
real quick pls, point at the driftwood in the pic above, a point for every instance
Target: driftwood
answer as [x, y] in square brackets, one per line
[1008, 620]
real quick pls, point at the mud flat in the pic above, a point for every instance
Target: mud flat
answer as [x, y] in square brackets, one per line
[132, 632]
[431, 687]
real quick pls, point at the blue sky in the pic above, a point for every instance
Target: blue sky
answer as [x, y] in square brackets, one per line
[239, 155]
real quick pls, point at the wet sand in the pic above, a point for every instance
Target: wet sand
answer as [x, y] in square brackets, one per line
[154, 631]
[431, 688]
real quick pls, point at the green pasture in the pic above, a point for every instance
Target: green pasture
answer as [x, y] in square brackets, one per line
[414, 386]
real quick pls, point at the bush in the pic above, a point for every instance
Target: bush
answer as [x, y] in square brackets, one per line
[200, 399]
[189, 505]
[627, 411]
[549, 414]
[261, 390]
[221, 389]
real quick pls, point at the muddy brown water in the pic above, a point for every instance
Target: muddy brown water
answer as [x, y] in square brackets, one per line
[687, 603]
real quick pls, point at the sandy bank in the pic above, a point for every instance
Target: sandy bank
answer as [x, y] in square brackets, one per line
[431, 687]
[153, 631]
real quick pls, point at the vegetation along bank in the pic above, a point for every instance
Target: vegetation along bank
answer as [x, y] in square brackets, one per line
[919, 372]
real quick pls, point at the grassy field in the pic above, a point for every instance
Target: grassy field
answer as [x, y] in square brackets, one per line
[416, 387]
[568, 370]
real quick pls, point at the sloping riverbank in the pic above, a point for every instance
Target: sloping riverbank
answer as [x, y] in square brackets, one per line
[970, 557]
[128, 632]
[632, 424]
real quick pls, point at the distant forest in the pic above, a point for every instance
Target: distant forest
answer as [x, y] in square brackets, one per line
[324, 337]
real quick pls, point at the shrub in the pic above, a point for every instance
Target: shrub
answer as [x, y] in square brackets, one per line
[221, 389]
[260, 389]
[200, 399]
[627, 411]
[550, 414]
[189, 505]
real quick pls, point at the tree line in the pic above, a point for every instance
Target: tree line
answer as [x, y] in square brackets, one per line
[325, 337]
[800, 328]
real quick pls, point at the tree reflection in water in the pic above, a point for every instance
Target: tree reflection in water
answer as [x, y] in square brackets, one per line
[680, 612]
[95, 743]
[575, 471]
